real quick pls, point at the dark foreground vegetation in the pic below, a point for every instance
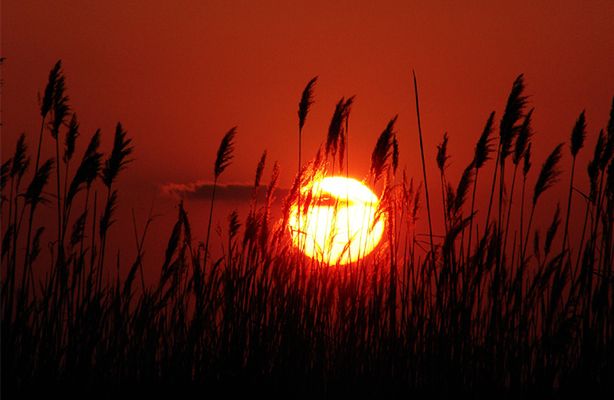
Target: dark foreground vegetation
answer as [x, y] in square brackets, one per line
[494, 305]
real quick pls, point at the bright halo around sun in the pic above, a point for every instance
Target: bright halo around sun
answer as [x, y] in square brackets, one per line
[339, 222]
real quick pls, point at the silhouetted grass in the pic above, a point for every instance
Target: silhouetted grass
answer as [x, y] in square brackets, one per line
[416, 316]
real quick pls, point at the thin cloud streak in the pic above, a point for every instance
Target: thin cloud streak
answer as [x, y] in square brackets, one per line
[234, 192]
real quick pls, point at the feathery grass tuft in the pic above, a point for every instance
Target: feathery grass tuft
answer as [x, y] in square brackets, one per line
[484, 147]
[20, 160]
[395, 154]
[523, 138]
[382, 151]
[88, 169]
[5, 170]
[233, 224]
[118, 158]
[513, 112]
[551, 232]
[463, 187]
[610, 129]
[306, 102]
[610, 183]
[78, 229]
[347, 108]
[335, 129]
[526, 166]
[71, 138]
[593, 165]
[259, 170]
[578, 134]
[106, 220]
[36, 246]
[60, 106]
[224, 152]
[549, 173]
[48, 97]
[442, 153]
[33, 194]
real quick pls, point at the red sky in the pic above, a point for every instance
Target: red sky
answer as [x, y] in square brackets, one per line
[179, 74]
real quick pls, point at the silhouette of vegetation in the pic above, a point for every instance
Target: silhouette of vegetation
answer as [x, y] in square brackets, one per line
[443, 316]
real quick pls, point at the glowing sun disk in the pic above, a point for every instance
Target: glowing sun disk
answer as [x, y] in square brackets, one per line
[339, 220]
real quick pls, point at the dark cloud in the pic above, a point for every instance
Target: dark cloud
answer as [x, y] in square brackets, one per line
[201, 190]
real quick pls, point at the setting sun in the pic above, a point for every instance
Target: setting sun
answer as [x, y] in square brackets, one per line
[338, 223]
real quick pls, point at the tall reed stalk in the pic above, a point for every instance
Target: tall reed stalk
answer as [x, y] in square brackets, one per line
[222, 161]
[426, 190]
[578, 135]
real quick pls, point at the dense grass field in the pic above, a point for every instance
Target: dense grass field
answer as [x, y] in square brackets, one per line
[494, 305]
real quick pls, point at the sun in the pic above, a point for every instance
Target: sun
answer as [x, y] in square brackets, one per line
[339, 220]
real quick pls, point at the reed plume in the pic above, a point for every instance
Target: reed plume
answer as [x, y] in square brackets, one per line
[18, 167]
[508, 131]
[483, 149]
[549, 173]
[552, 230]
[78, 229]
[88, 168]
[34, 193]
[224, 152]
[547, 177]
[593, 165]
[106, 219]
[526, 167]
[593, 176]
[395, 154]
[305, 104]
[463, 188]
[270, 192]
[47, 103]
[334, 128]
[259, 170]
[49, 93]
[61, 110]
[222, 160]
[513, 112]
[442, 153]
[578, 134]
[118, 158]
[383, 150]
[16, 170]
[20, 160]
[5, 170]
[441, 160]
[525, 132]
[523, 140]
[36, 247]
[71, 138]
[69, 149]
[343, 137]
[233, 224]
[116, 162]
[303, 109]
[33, 197]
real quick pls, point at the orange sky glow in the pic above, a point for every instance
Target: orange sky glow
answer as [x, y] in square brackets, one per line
[179, 74]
